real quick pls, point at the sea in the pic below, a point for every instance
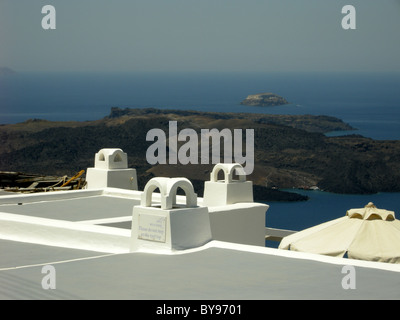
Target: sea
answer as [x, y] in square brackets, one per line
[370, 102]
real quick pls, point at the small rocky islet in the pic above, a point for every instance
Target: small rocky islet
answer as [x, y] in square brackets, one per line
[266, 99]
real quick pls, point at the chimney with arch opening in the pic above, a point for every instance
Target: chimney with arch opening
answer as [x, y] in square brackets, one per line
[111, 171]
[168, 224]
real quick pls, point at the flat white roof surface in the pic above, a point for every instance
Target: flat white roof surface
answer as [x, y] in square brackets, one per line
[75, 209]
[217, 271]
[214, 272]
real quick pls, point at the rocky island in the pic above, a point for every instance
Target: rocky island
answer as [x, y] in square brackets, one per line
[290, 151]
[266, 99]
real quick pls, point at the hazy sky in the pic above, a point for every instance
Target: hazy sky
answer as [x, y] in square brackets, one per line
[200, 35]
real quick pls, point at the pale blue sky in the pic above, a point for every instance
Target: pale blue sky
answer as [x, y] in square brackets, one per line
[200, 35]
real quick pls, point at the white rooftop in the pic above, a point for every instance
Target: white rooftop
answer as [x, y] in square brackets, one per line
[93, 238]
[216, 271]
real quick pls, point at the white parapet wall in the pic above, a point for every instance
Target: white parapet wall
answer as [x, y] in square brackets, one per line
[239, 223]
[61, 233]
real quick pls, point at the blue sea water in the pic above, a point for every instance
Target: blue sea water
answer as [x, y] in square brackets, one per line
[322, 207]
[368, 102]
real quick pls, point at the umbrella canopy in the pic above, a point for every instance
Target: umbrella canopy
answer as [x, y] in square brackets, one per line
[366, 233]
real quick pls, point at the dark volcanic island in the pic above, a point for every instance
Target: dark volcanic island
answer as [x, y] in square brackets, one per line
[290, 151]
[267, 99]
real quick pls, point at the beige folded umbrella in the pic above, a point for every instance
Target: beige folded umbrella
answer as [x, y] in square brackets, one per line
[367, 233]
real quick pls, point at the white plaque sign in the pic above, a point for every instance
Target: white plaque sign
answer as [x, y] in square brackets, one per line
[152, 227]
